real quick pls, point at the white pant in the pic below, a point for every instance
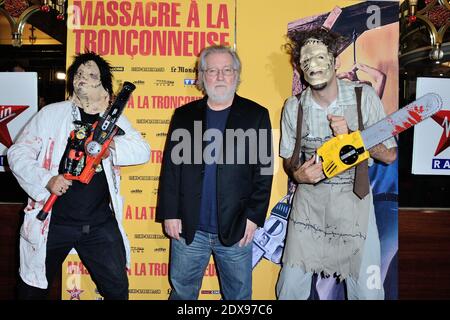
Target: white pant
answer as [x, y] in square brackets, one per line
[295, 284]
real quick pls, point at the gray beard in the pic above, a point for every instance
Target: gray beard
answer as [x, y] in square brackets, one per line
[220, 98]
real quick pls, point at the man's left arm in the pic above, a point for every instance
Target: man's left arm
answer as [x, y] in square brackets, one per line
[130, 148]
[258, 202]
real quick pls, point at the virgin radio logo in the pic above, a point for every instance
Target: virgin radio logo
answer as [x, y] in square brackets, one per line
[442, 119]
[75, 293]
[8, 114]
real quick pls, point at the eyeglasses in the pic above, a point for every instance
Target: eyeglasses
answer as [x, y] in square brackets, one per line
[212, 72]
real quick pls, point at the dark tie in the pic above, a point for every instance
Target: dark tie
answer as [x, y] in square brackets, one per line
[361, 184]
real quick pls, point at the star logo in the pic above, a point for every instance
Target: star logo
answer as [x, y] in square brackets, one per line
[7, 114]
[442, 119]
[75, 293]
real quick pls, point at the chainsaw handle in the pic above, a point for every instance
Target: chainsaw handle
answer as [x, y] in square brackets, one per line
[42, 215]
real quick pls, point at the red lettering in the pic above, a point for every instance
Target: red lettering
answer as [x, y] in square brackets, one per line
[145, 41]
[221, 21]
[99, 14]
[128, 215]
[158, 269]
[71, 268]
[78, 33]
[174, 44]
[222, 17]
[86, 14]
[152, 212]
[117, 42]
[210, 270]
[82, 268]
[193, 16]
[149, 20]
[159, 42]
[125, 16]
[171, 102]
[126, 13]
[175, 14]
[132, 50]
[139, 269]
[156, 156]
[144, 103]
[212, 38]
[150, 269]
[103, 44]
[111, 8]
[143, 215]
[130, 103]
[140, 213]
[187, 43]
[138, 15]
[199, 43]
[224, 39]
[89, 40]
[75, 267]
[163, 14]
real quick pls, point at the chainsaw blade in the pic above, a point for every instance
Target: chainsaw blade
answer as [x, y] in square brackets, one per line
[403, 119]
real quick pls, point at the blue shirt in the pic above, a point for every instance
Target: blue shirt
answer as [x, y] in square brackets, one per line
[208, 208]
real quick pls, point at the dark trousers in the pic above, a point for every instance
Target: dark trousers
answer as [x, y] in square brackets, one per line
[101, 250]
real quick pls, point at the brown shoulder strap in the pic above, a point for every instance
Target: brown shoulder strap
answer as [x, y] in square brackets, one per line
[295, 159]
[361, 183]
[358, 91]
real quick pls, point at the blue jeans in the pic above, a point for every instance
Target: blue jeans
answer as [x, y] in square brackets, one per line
[188, 264]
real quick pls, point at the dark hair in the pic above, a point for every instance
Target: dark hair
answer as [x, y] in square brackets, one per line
[297, 38]
[103, 65]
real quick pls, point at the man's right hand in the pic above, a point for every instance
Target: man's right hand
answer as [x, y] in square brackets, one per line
[58, 185]
[309, 172]
[173, 228]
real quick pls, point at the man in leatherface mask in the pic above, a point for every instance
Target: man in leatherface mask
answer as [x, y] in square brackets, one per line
[332, 229]
[87, 217]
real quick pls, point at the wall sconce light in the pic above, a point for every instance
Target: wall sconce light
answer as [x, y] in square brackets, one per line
[32, 38]
[435, 16]
[17, 13]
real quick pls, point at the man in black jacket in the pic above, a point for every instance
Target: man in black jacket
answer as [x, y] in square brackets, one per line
[216, 180]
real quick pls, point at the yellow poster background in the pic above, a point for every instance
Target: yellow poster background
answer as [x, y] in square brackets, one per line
[175, 31]
[164, 82]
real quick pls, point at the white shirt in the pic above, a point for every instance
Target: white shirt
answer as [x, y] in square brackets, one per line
[34, 160]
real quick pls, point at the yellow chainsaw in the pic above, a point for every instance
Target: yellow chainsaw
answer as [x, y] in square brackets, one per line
[347, 150]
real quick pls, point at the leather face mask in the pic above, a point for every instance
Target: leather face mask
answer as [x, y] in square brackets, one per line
[88, 88]
[316, 63]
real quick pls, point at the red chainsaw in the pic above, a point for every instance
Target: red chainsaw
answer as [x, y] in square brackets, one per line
[88, 144]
